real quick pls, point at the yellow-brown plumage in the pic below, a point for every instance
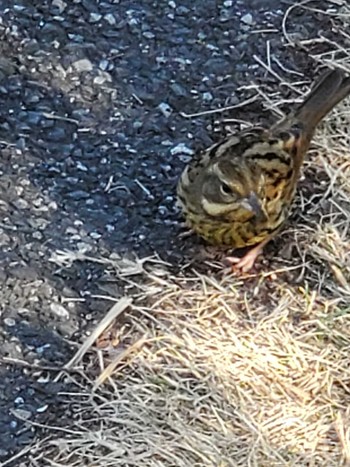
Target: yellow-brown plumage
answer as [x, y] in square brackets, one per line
[239, 192]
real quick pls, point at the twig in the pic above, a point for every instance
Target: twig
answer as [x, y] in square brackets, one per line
[41, 425]
[287, 70]
[276, 75]
[113, 313]
[222, 109]
[17, 456]
[33, 366]
[59, 117]
[107, 372]
[285, 17]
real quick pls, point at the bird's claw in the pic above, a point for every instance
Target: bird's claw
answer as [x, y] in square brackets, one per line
[246, 263]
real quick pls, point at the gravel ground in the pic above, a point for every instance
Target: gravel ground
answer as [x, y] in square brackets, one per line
[92, 143]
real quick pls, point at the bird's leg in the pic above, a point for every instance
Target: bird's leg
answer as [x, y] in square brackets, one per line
[247, 261]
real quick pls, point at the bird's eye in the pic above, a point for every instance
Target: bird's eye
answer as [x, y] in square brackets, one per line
[226, 189]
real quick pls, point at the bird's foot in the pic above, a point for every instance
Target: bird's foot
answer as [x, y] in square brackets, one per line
[247, 261]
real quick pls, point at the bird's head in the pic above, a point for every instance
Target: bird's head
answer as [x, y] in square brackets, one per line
[233, 191]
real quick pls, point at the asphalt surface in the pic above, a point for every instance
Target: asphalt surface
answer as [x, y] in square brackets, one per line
[93, 139]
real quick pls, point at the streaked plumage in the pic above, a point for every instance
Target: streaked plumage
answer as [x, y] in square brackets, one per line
[239, 192]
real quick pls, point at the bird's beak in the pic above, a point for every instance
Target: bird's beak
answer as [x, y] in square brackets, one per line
[253, 204]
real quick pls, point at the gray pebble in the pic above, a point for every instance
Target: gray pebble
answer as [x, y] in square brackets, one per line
[78, 194]
[95, 235]
[94, 17]
[82, 65]
[148, 35]
[42, 409]
[60, 5]
[103, 65]
[165, 109]
[56, 134]
[207, 96]
[59, 310]
[37, 235]
[181, 148]
[110, 19]
[33, 118]
[178, 90]
[21, 203]
[10, 322]
[247, 19]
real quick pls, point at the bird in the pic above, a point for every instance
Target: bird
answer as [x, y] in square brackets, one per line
[238, 193]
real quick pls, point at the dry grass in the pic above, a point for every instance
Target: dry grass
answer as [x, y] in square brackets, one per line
[215, 370]
[223, 376]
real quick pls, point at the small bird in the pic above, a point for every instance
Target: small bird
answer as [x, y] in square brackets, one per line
[239, 192]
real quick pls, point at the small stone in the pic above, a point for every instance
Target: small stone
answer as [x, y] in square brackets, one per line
[137, 124]
[94, 17]
[95, 235]
[40, 350]
[10, 322]
[43, 379]
[83, 64]
[59, 310]
[78, 194]
[103, 65]
[247, 19]
[181, 148]
[18, 7]
[60, 5]
[110, 19]
[23, 311]
[165, 109]
[228, 3]
[183, 10]
[207, 96]
[102, 78]
[21, 203]
[83, 247]
[71, 231]
[4, 238]
[33, 118]
[148, 35]
[53, 205]
[43, 408]
[82, 167]
[56, 134]
[178, 90]
[37, 235]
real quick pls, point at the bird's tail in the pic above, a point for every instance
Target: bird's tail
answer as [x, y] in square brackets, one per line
[326, 93]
